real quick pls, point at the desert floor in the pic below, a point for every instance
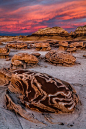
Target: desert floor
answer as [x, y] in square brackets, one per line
[75, 75]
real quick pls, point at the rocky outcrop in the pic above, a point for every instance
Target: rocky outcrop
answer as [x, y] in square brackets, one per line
[23, 60]
[40, 92]
[42, 46]
[51, 32]
[55, 57]
[80, 31]
[17, 45]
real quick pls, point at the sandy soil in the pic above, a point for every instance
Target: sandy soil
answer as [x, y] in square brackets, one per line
[76, 75]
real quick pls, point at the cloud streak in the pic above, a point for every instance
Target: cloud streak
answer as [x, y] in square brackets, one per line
[29, 16]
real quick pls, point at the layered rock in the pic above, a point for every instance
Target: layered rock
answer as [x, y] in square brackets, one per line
[63, 45]
[51, 32]
[71, 49]
[78, 45]
[42, 46]
[17, 45]
[5, 77]
[80, 31]
[55, 57]
[23, 60]
[40, 92]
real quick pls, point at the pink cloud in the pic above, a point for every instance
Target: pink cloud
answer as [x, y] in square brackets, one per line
[29, 18]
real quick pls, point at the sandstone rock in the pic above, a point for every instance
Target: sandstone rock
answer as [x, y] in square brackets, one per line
[5, 77]
[24, 59]
[40, 92]
[71, 49]
[42, 46]
[36, 54]
[78, 45]
[80, 31]
[4, 51]
[51, 31]
[63, 45]
[17, 45]
[55, 57]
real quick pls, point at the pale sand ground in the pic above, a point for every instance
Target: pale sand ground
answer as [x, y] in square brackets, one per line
[76, 75]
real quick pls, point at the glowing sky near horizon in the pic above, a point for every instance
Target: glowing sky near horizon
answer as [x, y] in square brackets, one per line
[27, 16]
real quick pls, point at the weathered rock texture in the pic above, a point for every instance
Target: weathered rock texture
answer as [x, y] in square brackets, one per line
[40, 92]
[36, 54]
[80, 31]
[5, 77]
[17, 45]
[23, 59]
[51, 31]
[63, 45]
[55, 57]
[4, 51]
[42, 46]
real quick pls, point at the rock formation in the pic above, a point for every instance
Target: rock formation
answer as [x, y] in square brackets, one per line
[55, 57]
[23, 60]
[17, 45]
[40, 92]
[51, 32]
[80, 31]
[5, 77]
[42, 46]
[63, 45]
[71, 49]
[78, 45]
[36, 54]
[4, 51]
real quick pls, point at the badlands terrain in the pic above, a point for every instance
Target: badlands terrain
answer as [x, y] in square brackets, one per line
[51, 51]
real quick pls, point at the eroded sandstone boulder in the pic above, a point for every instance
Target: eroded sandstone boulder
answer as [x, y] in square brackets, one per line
[55, 57]
[40, 92]
[36, 54]
[24, 60]
[79, 45]
[42, 46]
[71, 49]
[63, 45]
[4, 51]
[5, 77]
[17, 45]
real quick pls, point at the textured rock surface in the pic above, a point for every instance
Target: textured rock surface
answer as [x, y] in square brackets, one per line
[77, 45]
[71, 49]
[40, 92]
[24, 59]
[5, 76]
[17, 45]
[36, 54]
[4, 51]
[80, 31]
[42, 46]
[63, 45]
[52, 31]
[60, 58]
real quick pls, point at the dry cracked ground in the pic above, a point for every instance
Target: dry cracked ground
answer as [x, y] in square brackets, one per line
[75, 75]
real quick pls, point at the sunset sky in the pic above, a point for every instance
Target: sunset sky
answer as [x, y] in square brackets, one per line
[27, 16]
